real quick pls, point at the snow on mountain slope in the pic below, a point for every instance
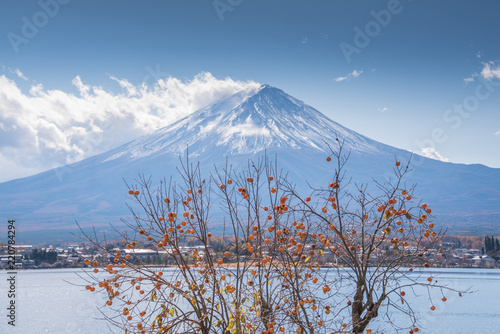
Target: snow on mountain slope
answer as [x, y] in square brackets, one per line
[250, 122]
[244, 126]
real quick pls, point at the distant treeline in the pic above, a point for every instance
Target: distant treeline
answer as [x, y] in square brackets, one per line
[491, 244]
[40, 256]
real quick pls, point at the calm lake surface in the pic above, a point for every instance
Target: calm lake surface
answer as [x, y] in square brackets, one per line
[53, 301]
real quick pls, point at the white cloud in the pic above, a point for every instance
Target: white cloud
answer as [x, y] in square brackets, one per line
[15, 71]
[131, 89]
[469, 79]
[491, 70]
[304, 40]
[430, 152]
[43, 129]
[338, 79]
[353, 74]
[497, 133]
[382, 109]
[19, 74]
[356, 73]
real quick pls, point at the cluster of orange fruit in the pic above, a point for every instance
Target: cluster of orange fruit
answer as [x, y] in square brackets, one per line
[134, 192]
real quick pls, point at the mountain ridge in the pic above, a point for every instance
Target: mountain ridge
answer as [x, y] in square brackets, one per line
[249, 119]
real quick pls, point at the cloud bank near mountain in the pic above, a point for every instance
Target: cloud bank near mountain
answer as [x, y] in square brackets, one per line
[43, 129]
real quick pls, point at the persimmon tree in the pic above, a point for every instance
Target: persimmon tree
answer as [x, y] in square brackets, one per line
[376, 241]
[330, 261]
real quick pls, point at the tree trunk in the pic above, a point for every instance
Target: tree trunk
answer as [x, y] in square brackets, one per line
[359, 323]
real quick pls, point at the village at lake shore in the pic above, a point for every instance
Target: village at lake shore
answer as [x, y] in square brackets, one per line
[456, 252]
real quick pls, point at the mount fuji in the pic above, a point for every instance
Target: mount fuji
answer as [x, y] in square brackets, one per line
[246, 125]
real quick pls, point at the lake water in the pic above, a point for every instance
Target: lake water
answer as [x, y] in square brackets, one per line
[48, 301]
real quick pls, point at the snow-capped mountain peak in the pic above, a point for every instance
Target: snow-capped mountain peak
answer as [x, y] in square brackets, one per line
[249, 121]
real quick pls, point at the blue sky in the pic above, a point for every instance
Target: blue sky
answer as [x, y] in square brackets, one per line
[400, 87]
